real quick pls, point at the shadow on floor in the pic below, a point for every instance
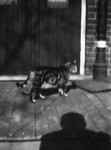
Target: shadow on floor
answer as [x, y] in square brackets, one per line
[75, 136]
[47, 91]
[54, 90]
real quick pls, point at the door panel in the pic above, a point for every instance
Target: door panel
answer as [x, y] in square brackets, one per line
[31, 34]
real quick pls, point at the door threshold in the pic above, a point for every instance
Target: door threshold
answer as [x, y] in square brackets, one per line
[13, 78]
[24, 77]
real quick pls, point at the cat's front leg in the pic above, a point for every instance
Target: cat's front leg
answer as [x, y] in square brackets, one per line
[65, 94]
[35, 95]
[63, 90]
[60, 90]
[41, 96]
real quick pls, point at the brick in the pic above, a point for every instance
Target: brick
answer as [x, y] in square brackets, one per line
[92, 9]
[91, 21]
[89, 61]
[109, 73]
[108, 55]
[109, 16]
[108, 28]
[91, 3]
[90, 55]
[88, 71]
[109, 69]
[108, 22]
[108, 50]
[90, 49]
[108, 39]
[92, 33]
[109, 66]
[109, 3]
[108, 60]
[108, 33]
[91, 27]
[109, 44]
[109, 9]
[89, 66]
[91, 15]
[90, 38]
[90, 44]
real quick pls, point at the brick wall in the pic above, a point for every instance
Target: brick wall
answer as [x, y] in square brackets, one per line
[108, 52]
[91, 22]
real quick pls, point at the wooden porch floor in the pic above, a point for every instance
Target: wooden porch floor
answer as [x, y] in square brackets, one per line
[80, 115]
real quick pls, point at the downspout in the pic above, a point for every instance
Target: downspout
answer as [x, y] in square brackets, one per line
[100, 66]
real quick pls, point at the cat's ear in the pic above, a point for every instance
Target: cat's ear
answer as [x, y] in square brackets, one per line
[75, 61]
[67, 63]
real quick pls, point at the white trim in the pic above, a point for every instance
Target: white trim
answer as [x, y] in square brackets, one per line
[24, 77]
[12, 78]
[83, 32]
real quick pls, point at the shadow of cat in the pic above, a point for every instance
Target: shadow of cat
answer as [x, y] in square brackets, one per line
[54, 90]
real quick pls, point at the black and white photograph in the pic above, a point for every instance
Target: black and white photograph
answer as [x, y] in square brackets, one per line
[55, 74]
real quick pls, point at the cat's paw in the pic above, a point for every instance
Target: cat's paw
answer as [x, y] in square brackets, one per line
[61, 92]
[24, 85]
[34, 100]
[65, 94]
[41, 96]
[33, 97]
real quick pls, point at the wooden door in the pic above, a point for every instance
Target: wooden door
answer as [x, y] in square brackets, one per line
[33, 34]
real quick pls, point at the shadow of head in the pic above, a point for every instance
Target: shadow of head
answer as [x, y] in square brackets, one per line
[74, 125]
[70, 120]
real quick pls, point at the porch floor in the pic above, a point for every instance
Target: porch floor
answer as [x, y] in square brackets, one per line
[81, 115]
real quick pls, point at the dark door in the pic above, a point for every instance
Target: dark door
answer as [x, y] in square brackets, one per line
[33, 34]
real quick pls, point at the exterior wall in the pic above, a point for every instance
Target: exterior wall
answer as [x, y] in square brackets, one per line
[91, 23]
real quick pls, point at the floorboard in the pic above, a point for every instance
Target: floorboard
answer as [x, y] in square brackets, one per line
[97, 117]
[41, 122]
[80, 115]
[16, 122]
[105, 99]
[81, 106]
[29, 128]
[6, 111]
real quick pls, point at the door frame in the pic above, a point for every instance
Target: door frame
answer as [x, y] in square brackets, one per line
[82, 37]
[82, 49]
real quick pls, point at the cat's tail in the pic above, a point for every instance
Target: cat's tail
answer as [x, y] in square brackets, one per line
[21, 85]
[25, 93]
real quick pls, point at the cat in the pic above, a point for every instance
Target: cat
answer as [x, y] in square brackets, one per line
[54, 76]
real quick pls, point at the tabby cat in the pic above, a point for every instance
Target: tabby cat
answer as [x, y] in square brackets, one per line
[55, 76]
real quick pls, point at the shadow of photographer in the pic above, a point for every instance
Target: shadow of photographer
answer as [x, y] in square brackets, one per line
[75, 136]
